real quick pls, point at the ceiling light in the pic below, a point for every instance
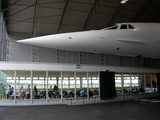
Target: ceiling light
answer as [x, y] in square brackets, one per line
[124, 1]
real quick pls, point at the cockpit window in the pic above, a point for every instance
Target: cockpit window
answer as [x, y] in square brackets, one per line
[123, 27]
[130, 26]
[114, 27]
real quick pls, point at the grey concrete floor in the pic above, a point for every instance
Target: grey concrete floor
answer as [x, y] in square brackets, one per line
[118, 110]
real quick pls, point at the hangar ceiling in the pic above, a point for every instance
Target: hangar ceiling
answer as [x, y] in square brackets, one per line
[31, 18]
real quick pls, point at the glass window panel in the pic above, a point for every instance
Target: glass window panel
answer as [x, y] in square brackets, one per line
[72, 83]
[59, 83]
[154, 82]
[77, 83]
[126, 83]
[54, 78]
[118, 81]
[36, 78]
[95, 83]
[9, 77]
[22, 82]
[41, 78]
[41, 83]
[94, 79]
[141, 83]
[65, 83]
[90, 84]
[84, 83]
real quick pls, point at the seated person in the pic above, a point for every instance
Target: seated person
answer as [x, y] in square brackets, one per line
[38, 94]
[55, 88]
[82, 93]
[90, 93]
[78, 92]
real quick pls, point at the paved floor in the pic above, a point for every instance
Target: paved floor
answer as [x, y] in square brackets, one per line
[79, 101]
[119, 109]
[122, 110]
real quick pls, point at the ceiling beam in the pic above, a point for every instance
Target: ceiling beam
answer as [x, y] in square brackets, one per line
[145, 9]
[63, 14]
[39, 6]
[10, 5]
[118, 13]
[19, 12]
[91, 13]
[18, 21]
[34, 19]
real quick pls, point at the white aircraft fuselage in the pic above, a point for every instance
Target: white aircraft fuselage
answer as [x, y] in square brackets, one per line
[126, 39]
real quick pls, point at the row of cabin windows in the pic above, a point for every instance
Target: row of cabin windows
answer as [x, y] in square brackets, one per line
[123, 26]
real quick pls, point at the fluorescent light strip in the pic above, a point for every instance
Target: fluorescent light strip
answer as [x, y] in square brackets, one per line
[124, 1]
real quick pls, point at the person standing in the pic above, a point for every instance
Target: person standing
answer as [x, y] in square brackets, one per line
[9, 91]
[28, 90]
[35, 92]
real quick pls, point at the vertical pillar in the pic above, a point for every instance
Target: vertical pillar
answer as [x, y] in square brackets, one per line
[80, 82]
[131, 86]
[19, 83]
[157, 83]
[99, 85]
[1, 35]
[87, 86]
[57, 81]
[69, 82]
[91, 83]
[6, 83]
[75, 90]
[138, 85]
[31, 99]
[61, 86]
[145, 84]
[15, 74]
[122, 85]
[151, 83]
[44, 84]
[47, 100]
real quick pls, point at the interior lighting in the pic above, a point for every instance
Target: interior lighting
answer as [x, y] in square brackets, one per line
[124, 1]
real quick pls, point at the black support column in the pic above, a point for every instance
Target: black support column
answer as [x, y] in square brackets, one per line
[158, 82]
[107, 84]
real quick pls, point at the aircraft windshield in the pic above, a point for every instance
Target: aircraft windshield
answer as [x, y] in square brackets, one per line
[112, 27]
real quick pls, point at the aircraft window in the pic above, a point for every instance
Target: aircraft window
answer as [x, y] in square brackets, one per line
[123, 27]
[130, 26]
[114, 27]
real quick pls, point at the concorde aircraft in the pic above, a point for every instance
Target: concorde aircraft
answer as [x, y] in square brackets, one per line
[126, 39]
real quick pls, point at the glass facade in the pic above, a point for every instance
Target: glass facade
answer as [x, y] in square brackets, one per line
[126, 84]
